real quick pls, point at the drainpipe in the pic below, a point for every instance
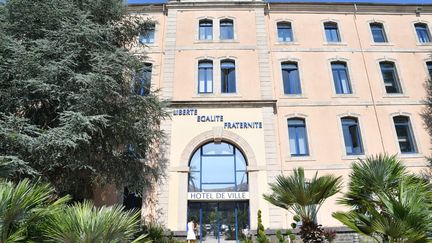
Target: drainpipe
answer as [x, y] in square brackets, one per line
[368, 79]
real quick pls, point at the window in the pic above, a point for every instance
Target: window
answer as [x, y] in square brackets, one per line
[291, 79]
[228, 77]
[422, 31]
[298, 137]
[340, 78]
[205, 76]
[390, 77]
[285, 33]
[404, 134]
[352, 138]
[429, 67]
[226, 29]
[378, 32]
[332, 32]
[143, 81]
[218, 167]
[148, 36]
[206, 29]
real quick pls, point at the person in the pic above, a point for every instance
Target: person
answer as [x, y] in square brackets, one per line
[191, 237]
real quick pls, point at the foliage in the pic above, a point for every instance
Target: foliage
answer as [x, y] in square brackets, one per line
[387, 202]
[330, 235]
[23, 206]
[30, 213]
[261, 236]
[157, 233]
[304, 197]
[68, 110]
[83, 222]
[281, 238]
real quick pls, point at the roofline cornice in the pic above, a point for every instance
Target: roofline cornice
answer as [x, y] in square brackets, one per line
[357, 8]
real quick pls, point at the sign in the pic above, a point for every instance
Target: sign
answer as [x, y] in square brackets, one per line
[218, 118]
[218, 196]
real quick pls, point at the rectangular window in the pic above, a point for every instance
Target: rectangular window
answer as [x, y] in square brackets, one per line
[143, 81]
[390, 77]
[340, 78]
[352, 138]
[206, 30]
[422, 31]
[297, 137]
[404, 134]
[332, 32]
[228, 77]
[291, 79]
[205, 77]
[429, 67]
[285, 33]
[226, 29]
[148, 36]
[378, 33]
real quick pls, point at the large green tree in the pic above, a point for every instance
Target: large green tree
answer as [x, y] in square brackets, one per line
[68, 109]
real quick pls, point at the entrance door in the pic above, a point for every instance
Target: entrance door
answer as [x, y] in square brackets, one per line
[222, 222]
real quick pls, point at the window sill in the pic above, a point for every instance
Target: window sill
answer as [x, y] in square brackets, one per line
[382, 44]
[354, 157]
[395, 96]
[285, 96]
[335, 44]
[300, 158]
[411, 155]
[215, 41]
[216, 96]
[424, 44]
[345, 96]
[287, 43]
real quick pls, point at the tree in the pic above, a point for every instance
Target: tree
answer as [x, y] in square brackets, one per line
[69, 110]
[387, 203]
[304, 197]
[23, 207]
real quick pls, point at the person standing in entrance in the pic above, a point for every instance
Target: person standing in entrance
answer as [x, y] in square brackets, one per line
[191, 237]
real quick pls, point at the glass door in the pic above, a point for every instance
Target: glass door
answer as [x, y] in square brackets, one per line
[224, 222]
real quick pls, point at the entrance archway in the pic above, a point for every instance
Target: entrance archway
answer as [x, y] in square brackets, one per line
[218, 187]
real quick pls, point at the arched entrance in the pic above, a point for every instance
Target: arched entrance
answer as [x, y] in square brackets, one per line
[218, 197]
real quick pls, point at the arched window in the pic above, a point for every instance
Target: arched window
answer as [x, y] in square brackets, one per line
[298, 137]
[390, 77]
[291, 78]
[404, 134]
[352, 136]
[228, 77]
[378, 32]
[422, 31]
[285, 33]
[332, 32]
[205, 76]
[206, 29]
[218, 167]
[341, 78]
[226, 29]
[143, 80]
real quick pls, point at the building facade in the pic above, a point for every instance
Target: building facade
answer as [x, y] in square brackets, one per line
[258, 88]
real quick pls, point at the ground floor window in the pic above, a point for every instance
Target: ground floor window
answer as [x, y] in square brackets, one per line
[219, 222]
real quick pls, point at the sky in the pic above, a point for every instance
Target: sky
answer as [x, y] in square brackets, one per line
[338, 1]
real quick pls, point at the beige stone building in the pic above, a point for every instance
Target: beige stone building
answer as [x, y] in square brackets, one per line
[259, 88]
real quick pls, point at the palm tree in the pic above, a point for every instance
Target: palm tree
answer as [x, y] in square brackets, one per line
[304, 197]
[85, 223]
[387, 203]
[23, 206]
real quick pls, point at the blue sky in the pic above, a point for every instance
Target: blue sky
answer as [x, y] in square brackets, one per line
[339, 1]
